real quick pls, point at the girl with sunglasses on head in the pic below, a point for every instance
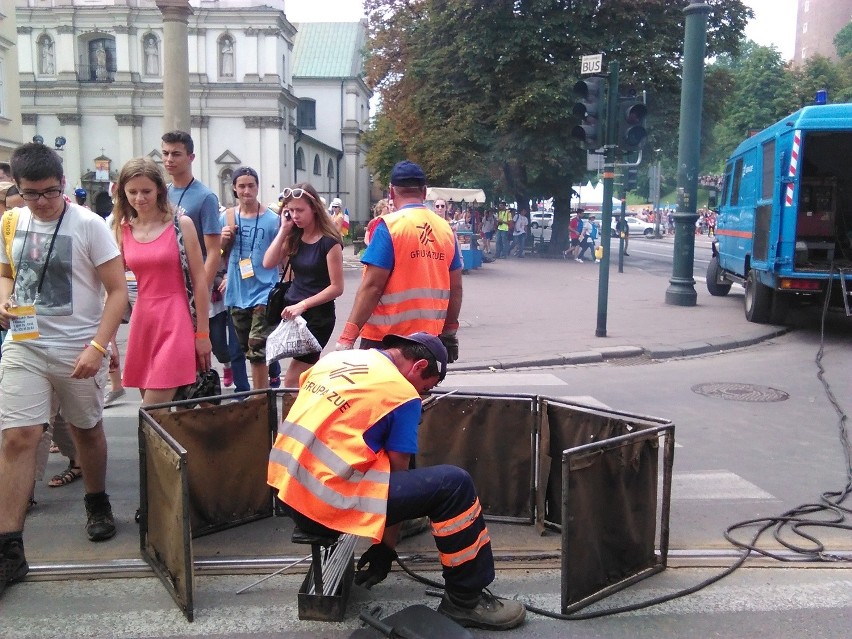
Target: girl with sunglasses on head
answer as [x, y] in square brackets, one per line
[311, 243]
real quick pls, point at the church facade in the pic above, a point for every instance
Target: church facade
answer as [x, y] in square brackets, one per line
[91, 84]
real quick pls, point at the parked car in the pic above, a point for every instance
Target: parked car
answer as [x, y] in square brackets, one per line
[541, 225]
[637, 226]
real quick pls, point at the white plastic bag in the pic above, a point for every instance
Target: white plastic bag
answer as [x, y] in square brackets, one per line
[291, 338]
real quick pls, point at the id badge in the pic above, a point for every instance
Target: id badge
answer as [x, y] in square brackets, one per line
[24, 325]
[246, 269]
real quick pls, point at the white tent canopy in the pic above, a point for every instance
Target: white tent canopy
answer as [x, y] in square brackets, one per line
[455, 195]
[592, 196]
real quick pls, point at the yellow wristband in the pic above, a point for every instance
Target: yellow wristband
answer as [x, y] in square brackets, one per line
[202, 335]
[98, 347]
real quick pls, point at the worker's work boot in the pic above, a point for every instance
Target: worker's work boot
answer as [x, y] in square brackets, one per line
[100, 524]
[483, 611]
[13, 564]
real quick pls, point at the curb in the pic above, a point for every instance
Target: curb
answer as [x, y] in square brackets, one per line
[712, 345]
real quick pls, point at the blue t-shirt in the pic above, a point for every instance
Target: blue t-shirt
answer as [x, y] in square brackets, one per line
[396, 431]
[379, 251]
[202, 206]
[253, 237]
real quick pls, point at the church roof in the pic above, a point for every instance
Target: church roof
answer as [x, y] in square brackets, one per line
[329, 49]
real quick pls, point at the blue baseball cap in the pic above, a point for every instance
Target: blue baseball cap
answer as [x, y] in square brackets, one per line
[407, 173]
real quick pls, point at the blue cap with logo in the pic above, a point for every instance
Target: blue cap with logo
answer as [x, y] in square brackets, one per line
[432, 343]
[407, 173]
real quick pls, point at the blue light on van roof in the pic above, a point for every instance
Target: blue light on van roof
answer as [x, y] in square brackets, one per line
[821, 97]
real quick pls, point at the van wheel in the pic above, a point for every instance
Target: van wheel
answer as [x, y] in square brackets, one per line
[757, 300]
[714, 287]
[648, 232]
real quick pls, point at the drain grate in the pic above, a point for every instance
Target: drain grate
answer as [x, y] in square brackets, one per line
[740, 392]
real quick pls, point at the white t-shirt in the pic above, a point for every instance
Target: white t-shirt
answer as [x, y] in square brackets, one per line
[70, 306]
[520, 224]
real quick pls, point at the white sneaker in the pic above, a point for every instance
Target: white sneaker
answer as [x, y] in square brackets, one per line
[577, 259]
[113, 395]
[597, 261]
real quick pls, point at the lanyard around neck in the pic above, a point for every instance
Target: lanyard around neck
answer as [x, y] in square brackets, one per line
[186, 188]
[240, 235]
[49, 251]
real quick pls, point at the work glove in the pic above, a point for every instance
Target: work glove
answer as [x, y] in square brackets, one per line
[451, 343]
[346, 341]
[380, 559]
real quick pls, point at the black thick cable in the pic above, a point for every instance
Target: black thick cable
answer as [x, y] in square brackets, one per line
[792, 521]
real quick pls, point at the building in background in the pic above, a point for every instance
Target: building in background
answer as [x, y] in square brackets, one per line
[817, 22]
[91, 76]
[10, 106]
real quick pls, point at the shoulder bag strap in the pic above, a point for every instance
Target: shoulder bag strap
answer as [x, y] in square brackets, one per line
[187, 278]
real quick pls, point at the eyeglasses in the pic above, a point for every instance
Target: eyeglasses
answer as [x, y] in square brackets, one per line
[295, 193]
[47, 194]
[440, 206]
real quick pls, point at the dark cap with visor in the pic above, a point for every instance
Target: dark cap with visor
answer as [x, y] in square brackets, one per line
[432, 343]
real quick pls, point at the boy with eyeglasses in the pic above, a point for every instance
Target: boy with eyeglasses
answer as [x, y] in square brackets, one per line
[56, 343]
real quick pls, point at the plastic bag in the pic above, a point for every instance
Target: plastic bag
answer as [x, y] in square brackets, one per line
[291, 338]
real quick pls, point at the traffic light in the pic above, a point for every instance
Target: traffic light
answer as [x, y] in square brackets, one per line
[631, 123]
[632, 178]
[589, 108]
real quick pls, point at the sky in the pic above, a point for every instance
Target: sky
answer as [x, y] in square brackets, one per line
[774, 21]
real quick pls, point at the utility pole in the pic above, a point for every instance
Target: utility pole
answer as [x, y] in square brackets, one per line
[681, 291]
[606, 207]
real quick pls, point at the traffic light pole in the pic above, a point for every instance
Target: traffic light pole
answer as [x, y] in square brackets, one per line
[606, 208]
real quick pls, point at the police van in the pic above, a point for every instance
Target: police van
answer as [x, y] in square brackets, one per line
[784, 226]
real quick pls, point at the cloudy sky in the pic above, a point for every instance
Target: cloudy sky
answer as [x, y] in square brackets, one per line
[774, 22]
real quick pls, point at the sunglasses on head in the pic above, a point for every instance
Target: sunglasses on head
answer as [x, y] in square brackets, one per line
[295, 193]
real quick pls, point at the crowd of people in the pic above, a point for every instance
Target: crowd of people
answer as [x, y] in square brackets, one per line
[202, 280]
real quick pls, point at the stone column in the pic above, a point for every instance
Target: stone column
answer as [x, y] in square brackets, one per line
[127, 124]
[72, 151]
[201, 136]
[176, 64]
[64, 49]
[125, 52]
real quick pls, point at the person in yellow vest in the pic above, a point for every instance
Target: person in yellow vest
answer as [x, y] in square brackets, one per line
[413, 272]
[341, 462]
[504, 216]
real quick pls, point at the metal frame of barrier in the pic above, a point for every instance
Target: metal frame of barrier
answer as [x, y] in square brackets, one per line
[526, 434]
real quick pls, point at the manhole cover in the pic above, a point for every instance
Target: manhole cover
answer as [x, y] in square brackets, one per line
[740, 392]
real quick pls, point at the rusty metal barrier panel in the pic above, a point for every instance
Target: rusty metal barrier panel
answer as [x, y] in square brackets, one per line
[605, 497]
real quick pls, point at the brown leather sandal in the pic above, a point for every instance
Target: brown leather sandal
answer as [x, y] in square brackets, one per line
[67, 476]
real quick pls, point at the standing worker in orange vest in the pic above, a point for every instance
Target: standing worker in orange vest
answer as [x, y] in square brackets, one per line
[413, 272]
[341, 462]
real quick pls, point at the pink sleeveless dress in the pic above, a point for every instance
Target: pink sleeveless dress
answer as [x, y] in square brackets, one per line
[161, 344]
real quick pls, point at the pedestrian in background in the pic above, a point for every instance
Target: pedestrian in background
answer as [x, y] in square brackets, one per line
[504, 216]
[381, 208]
[164, 350]
[311, 244]
[489, 225]
[519, 232]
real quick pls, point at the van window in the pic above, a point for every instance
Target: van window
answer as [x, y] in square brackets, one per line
[735, 188]
[768, 178]
[726, 186]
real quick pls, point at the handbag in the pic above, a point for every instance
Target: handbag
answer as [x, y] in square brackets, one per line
[275, 301]
[206, 385]
[187, 278]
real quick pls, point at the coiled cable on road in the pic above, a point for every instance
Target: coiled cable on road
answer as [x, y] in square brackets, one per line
[793, 521]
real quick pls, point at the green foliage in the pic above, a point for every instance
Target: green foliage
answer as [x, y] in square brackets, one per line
[843, 41]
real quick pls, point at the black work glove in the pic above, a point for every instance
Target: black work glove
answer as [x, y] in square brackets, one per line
[380, 559]
[451, 343]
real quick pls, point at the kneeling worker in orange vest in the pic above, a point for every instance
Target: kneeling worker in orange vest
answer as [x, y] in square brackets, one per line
[341, 462]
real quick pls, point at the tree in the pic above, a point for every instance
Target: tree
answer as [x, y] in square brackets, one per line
[843, 41]
[481, 91]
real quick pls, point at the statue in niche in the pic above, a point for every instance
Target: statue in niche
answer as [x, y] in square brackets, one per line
[226, 63]
[152, 56]
[47, 63]
[100, 63]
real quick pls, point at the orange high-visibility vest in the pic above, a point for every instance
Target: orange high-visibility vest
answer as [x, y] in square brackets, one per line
[417, 292]
[319, 462]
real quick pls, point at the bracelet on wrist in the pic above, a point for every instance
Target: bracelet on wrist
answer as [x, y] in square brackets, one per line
[99, 348]
[201, 335]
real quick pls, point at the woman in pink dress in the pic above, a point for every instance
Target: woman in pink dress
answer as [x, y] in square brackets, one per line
[162, 352]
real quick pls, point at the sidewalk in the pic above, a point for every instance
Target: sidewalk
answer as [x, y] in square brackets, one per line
[543, 312]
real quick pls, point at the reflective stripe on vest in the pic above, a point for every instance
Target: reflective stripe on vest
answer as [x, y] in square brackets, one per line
[458, 523]
[417, 292]
[320, 464]
[451, 560]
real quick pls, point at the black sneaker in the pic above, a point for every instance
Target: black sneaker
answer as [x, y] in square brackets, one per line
[13, 564]
[489, 612]
[100, 524]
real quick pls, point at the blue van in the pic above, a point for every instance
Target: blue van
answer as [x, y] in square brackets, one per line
[784, 225]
